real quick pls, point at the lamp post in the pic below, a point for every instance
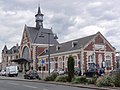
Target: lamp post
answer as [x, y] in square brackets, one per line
[55, 37]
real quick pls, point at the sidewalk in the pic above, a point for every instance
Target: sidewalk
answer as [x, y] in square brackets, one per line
[60, 83]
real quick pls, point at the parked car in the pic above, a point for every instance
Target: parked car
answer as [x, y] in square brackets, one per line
[12, 71]
[77, 71]
[58, 72]
[55, 71]
[32, 74]
[61, 72]
[3, 73]
[91, 73]
[117, 70]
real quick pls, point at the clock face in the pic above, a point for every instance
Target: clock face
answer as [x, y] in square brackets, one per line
[39, 18]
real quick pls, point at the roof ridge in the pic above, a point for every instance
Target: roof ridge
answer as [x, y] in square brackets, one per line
[78, 38]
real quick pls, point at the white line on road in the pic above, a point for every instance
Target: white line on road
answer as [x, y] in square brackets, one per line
[30, 86]
[45, 89]
[13, 83]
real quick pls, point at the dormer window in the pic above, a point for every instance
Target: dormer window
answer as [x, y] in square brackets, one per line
[74, 43]
[58, 47]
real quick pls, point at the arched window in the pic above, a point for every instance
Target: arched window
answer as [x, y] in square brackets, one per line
[66, 61]
[60, 64]
[75, 61]
[25, 53]
[100, 60]
[91, 63]
[108, 61]
[52, 64]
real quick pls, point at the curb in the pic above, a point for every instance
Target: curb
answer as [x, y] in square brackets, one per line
[65, 84]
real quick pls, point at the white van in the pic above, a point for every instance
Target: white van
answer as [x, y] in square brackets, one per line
[12, 71]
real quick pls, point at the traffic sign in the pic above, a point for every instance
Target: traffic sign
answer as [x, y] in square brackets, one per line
[42, 61]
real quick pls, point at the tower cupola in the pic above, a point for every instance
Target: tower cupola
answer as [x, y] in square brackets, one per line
[39, 19]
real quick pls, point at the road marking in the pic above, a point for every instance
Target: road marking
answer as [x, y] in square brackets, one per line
[13, 83]
[30, 86]
[45, 89]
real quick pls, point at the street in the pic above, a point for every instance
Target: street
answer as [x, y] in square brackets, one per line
[21, 85]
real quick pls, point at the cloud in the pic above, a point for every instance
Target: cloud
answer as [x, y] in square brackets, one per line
[70, 19]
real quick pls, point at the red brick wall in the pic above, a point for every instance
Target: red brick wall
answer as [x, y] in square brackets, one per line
[85, 61]
[113, 60]
[89, 47]
[96, 57]
[40, 50]
[63, 57]
[108, 48]
[56, 65]
[56, 59]
[46, 67]
[79, 56]
[98, 40]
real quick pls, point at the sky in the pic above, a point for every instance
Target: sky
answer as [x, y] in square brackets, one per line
[69, 19]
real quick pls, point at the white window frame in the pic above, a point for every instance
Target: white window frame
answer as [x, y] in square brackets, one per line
[108, 61]
[90, 60]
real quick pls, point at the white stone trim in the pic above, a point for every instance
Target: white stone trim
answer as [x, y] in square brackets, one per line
[63, 53]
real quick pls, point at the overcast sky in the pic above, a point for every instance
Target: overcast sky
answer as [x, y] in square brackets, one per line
[70, 19]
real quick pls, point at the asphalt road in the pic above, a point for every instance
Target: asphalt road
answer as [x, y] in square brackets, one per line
[21, 85]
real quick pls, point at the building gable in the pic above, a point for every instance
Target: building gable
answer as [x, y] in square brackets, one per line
[25, 38]
[89, 46]
[100, 39]
[99, 42]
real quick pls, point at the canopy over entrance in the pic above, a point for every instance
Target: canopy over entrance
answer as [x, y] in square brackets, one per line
[20, 60]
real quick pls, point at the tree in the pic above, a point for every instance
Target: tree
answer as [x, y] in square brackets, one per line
[70, 68]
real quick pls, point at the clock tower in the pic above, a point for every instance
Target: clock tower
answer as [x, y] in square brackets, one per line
[39, 19]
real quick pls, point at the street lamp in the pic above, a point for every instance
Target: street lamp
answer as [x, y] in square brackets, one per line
[55, 37]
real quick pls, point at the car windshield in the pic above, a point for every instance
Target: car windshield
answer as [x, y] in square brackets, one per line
[91, 70]
[33, 72]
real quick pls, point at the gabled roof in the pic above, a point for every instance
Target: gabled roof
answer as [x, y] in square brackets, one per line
[5, 47]
[14, 49]
[35, 35]
[67, 46]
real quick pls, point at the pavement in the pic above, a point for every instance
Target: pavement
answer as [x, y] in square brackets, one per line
[21, 78]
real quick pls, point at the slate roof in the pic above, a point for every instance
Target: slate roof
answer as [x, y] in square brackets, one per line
[67, 46]
[14, 49]
[35, 35]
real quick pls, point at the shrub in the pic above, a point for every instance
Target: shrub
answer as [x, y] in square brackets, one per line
[70, 68]
[51, 77]
[76, 81]
[92, 81]
[116, 79]
[39, 78]
[81, 79]
[105, 81]
[61, 79]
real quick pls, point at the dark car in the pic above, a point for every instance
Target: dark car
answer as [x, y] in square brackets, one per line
[31, 75]
[77, 71]
[117, 70]
[91, 73]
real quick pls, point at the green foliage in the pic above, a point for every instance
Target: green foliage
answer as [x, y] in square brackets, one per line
[92, 81]
[76, 81]
[51, 77]
[61, 79]
[116, 79]
[39, 78]
[70, 68]
[105, 81]
[81, 79]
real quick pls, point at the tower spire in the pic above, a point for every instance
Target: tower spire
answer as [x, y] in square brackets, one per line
[39, 18]
[39, 11]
